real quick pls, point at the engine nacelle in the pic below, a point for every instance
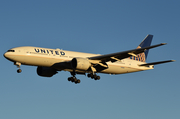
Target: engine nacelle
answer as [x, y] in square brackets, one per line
[46, 71]
[80, 63]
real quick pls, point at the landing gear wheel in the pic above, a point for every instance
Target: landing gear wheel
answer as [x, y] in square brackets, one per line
[69, 79]
[78, 81]
[93, 76]
[89, 75]
[19, 71]
[97, 78]
[74, 79]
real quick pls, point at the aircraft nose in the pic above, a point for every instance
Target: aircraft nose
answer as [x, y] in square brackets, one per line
[5, 54]
[9, 54]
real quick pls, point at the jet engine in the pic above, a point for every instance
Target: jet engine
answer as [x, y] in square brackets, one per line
[80, 63]
[46, 71]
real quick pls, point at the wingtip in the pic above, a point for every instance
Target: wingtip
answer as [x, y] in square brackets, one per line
[150, 35]
[163, 43]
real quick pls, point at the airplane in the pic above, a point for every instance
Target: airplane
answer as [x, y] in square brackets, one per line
[50, 61]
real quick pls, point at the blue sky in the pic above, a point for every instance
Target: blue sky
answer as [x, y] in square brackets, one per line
[96, 26]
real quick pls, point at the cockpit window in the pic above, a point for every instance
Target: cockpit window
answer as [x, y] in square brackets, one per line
[11, 51]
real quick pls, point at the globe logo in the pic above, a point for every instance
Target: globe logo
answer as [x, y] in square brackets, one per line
[139, 57]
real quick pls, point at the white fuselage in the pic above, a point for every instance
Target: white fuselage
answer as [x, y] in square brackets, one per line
[45, 57]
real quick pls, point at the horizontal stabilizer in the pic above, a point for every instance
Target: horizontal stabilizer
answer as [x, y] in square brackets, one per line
[155, 63]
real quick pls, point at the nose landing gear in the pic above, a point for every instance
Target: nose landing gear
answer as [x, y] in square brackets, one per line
[19, 71]
[18, 65]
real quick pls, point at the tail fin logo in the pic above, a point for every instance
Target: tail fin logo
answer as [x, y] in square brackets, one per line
[145, 43]
[140, 57]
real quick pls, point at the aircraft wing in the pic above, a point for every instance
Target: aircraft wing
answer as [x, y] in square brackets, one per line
[122, 55]
[155, 63]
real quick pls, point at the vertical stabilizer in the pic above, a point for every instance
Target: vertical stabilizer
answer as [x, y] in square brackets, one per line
[145, 43]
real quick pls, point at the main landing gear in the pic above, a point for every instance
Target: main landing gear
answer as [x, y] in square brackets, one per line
[76, 81]
[93, 76]
[73, 78]
[18, 65]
